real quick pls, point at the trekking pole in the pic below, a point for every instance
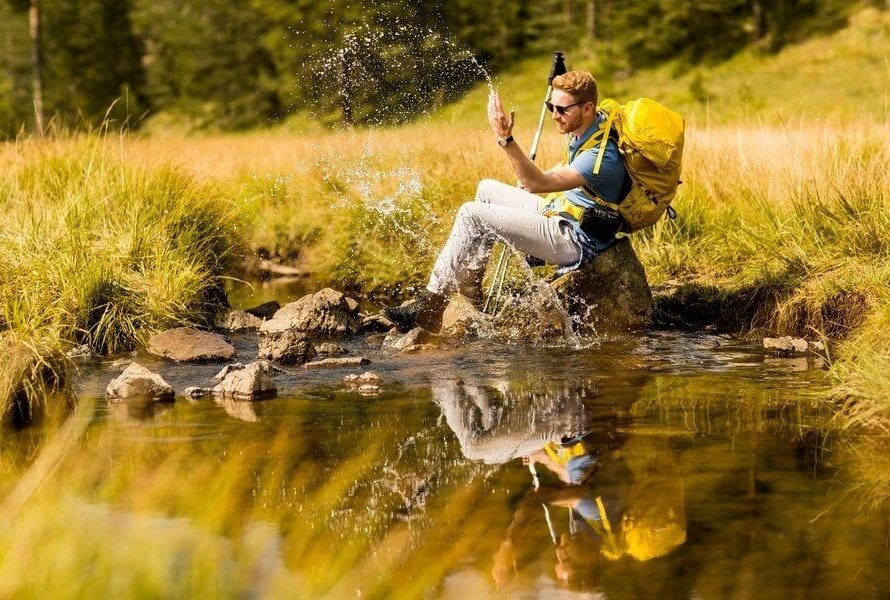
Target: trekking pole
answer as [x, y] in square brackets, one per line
[557, 68]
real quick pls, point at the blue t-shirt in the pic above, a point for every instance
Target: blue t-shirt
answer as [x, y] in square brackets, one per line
[612, 184]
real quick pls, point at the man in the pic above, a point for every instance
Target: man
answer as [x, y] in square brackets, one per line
[579, 222]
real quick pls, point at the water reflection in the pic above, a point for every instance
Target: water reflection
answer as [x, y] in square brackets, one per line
[598, 493]
[625, 485]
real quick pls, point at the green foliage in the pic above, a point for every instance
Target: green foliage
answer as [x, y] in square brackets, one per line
[226, 64]
[95, 252]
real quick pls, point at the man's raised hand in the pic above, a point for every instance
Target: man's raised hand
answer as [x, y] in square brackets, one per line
[501, 123]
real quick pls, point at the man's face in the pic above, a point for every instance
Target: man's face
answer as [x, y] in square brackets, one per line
[573, 118]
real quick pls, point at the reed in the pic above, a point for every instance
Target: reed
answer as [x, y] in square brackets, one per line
[98, 252]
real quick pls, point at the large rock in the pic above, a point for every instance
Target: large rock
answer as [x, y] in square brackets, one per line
[610, 291]
[138, 383]
[535, 316]
[186, 344]
[327, 313]
[250, 382]
[289, 346]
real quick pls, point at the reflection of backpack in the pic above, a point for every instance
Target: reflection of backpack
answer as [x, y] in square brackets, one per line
[650, 137]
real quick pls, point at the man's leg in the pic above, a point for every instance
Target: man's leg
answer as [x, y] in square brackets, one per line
[478, 225]
[491, 191]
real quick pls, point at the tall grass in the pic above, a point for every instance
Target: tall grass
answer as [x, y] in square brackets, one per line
[98, 252]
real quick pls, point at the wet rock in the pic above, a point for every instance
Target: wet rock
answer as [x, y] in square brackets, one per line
[186, 344]
[400, 341]
[82, 352]
[330, 349]
[786, 345]
[251, 382]
[327, 313]
[415, 348]
[290, 347]
[537, 315]
[611, 290]
[193, 393]
[375, 323]
[121, 364]
[266, 310]
[226, 370]
[368, 389]
[461, 319]
[138, 383]
[368, 377]
[237, 320]
[331, 363]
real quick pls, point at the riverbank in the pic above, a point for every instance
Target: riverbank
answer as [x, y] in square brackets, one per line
[778, 229]
[98, 253]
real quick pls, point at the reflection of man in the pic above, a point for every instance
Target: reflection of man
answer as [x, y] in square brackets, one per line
[495, 429]
[579, 222]
[613, 503]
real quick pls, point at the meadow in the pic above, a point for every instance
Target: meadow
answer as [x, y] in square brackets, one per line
[783, 219]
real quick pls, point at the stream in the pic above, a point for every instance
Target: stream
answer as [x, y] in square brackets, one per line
[669, 464]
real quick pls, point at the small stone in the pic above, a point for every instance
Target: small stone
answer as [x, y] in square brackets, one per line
[375, 323]
[193, 393]
[290, 347]
[351, 361]
[186, 344]
[370, 377]
[251, 382]
[817, 346]
[138, 383]
[786, 345]
[238, 320]
[330, 349]
[366, 378]
[80, 352]
[400, 342]
[369, 390]
[352, 304]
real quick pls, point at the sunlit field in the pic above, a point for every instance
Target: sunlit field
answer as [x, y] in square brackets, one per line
[786, 227]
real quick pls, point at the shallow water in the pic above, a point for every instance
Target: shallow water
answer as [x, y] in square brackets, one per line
[679, 465]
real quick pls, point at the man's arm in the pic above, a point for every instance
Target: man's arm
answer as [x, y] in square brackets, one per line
[530, 176]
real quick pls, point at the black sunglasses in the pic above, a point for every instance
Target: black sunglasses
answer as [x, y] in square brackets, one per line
[561, 109]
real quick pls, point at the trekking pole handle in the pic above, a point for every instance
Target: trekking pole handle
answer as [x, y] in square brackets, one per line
[558, 67]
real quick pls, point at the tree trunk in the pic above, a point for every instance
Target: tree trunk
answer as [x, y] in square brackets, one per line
[36, 64]
[591, 19]
[567, 12]
[757, 17]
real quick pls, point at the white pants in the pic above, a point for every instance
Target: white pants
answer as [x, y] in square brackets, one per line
[508, 214]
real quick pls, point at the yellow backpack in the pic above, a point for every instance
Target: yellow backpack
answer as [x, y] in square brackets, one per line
[650, 137]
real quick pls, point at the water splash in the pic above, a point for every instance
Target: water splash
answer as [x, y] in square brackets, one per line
[392, 75]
